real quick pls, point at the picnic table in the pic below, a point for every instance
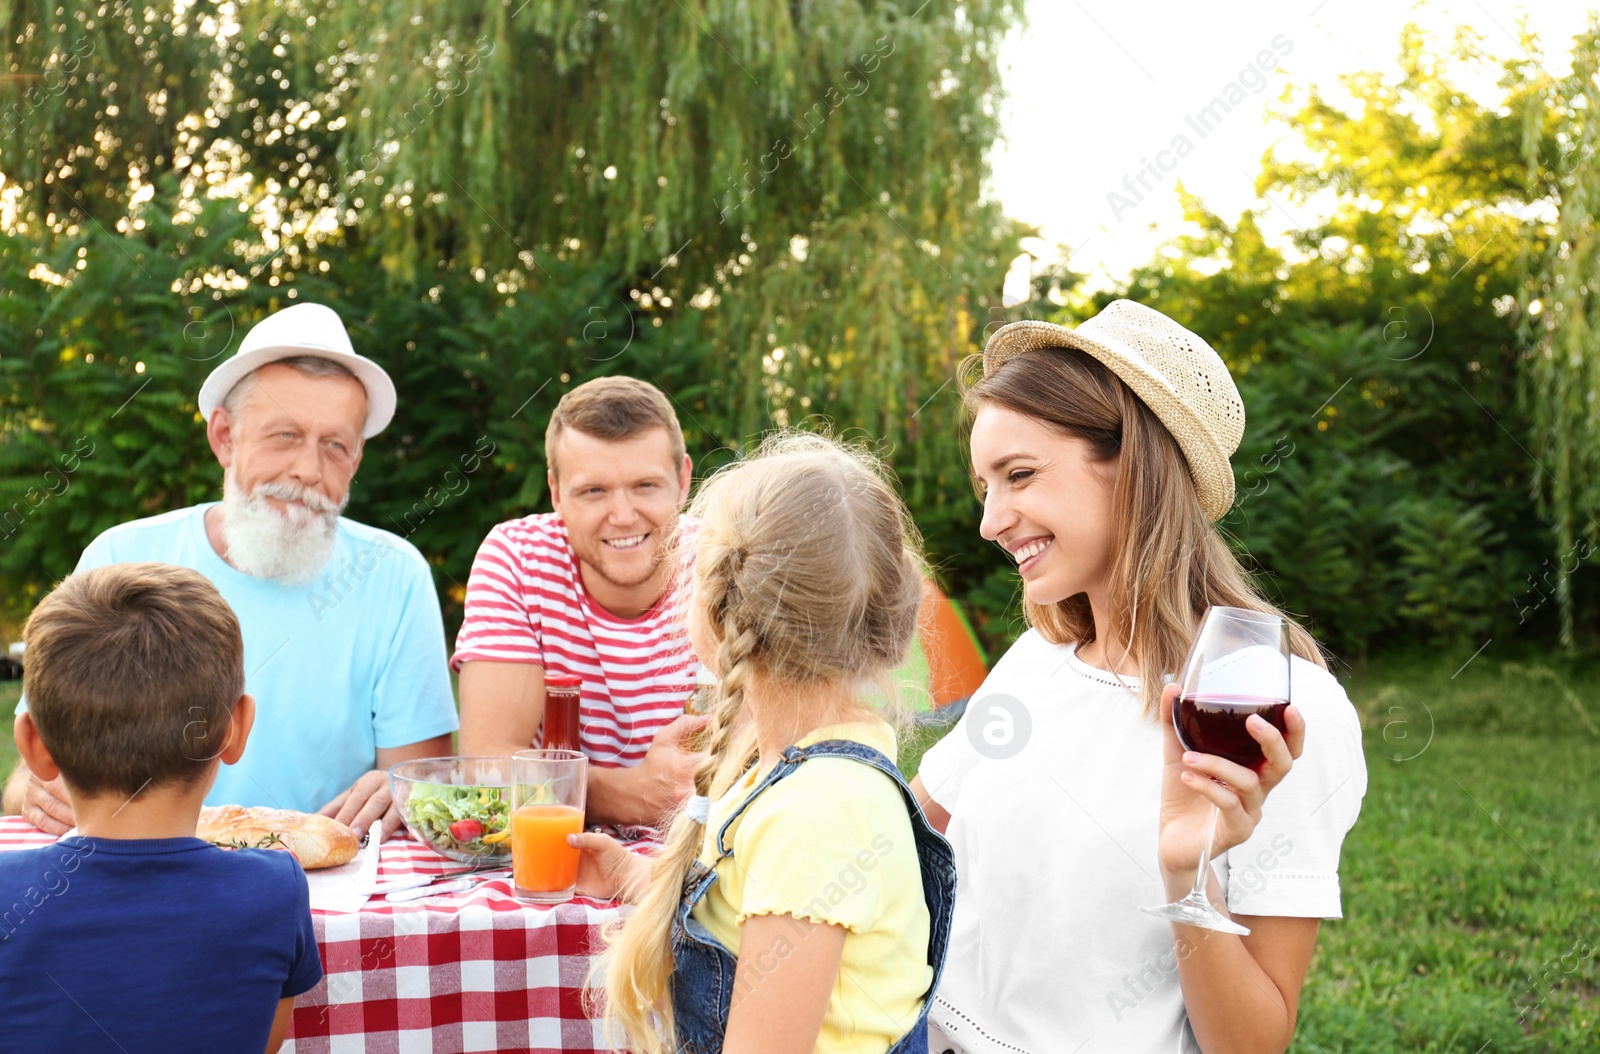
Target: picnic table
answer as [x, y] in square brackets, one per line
[471, 971]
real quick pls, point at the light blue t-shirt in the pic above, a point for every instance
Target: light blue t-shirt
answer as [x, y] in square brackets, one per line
[351, 662]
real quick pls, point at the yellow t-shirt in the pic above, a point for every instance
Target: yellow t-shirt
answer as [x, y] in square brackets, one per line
[832, 843]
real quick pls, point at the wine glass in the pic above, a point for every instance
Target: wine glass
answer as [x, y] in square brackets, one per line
[1237, 666]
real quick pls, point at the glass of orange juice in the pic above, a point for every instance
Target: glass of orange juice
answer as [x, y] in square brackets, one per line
[547, 799]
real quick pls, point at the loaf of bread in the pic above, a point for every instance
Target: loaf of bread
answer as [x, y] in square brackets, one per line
[316, 841]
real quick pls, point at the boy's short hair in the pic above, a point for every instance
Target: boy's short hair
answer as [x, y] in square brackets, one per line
[613, 408]
[131, 674]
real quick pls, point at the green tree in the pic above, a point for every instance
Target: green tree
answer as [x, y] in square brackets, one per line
[1381, 344]
[98, 382]
[776, 211]
[1561, 132]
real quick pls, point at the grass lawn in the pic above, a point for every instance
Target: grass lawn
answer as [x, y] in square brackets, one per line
[1472, 910]
[1470, 903]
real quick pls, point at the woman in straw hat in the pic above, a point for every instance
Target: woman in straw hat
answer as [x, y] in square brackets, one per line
[1101, 456]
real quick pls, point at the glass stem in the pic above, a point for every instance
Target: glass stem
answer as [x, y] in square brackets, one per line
[1203, 872]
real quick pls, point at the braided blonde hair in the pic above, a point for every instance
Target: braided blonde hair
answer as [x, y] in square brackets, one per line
[807, 573]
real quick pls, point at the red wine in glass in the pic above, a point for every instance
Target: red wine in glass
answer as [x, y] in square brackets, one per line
[1214, 723]
[1238, 665]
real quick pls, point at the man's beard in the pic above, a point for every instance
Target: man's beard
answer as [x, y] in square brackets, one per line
[291, 546]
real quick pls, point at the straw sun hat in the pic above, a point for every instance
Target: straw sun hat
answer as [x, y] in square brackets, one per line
[1178, 375]
[302, 329]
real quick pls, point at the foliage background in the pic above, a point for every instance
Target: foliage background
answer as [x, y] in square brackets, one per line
[737, 203]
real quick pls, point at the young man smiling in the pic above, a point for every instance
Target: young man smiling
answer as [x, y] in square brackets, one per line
[586, 590]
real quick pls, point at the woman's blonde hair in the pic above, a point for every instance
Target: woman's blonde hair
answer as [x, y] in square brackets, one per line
[807, 573]
[1169, 562]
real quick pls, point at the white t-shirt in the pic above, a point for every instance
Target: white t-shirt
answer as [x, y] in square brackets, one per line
[1052, 780]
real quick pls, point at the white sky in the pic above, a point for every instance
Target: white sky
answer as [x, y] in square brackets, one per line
[1095, 88]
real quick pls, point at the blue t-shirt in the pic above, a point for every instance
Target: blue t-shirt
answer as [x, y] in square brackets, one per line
[349, 663]
[165, 945]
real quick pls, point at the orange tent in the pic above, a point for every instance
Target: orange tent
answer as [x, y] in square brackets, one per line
[954, 661]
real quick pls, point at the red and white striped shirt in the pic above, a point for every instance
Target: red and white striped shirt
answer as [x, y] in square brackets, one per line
[526, 603]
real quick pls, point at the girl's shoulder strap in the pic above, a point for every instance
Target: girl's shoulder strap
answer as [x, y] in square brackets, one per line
[793, 757]
[842, 748]
[849, 748]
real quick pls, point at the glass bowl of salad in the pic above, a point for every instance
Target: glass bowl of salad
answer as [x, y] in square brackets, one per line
[460, 807]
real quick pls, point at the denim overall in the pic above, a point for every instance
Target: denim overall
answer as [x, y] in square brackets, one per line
[703, 970]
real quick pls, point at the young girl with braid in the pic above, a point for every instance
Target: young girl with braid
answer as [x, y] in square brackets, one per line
[801, 902]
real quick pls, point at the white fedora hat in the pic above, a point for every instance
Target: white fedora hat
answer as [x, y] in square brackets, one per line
[1177, 375]
[303, 329]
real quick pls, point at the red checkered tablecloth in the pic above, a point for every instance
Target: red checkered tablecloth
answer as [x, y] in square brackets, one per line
[472, 971]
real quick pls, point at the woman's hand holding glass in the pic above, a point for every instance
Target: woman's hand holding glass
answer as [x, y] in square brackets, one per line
[1230, 736]
[1190, 787]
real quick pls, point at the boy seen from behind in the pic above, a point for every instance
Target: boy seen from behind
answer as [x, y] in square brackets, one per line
[132, 934]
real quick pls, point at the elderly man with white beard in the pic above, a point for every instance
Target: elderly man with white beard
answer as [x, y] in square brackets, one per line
[344, 641]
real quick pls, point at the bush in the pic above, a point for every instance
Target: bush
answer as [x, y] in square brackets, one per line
[1348, 531]
[99, 379]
